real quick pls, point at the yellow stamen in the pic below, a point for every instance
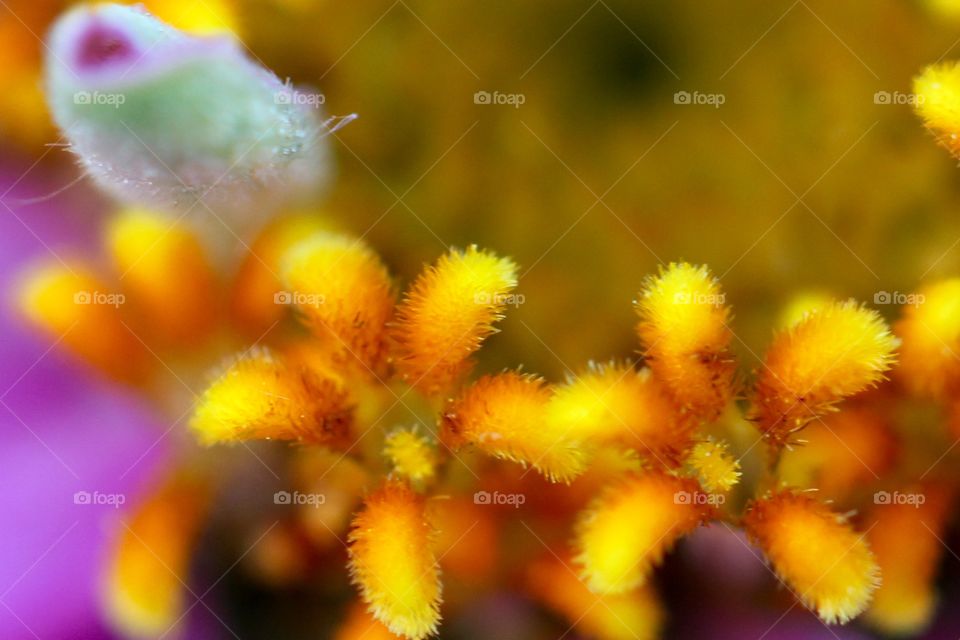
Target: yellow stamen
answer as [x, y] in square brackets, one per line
[448, 313]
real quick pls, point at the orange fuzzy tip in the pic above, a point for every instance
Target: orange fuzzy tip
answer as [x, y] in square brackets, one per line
[162, 267]
[343, 292]
[261, 397]
[937, 102]
[617, 404]
[625, 533]
[392, 562]
[503, 415]
[684, 331]
[834, 352]
[84, 315]
[816, 552]
[144, 593]
[448, 313]
[930, 331]
[906, 532]
[637, 615]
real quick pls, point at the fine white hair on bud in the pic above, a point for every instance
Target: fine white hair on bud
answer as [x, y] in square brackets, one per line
[177, 122]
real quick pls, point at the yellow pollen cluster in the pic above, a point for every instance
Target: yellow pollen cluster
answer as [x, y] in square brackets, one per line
[503, 415]
[716, 469]
[261, 397]
[683, 329]
[834, 352]
[343, 291]
[411, 455]
[616, 404]
[448, 313]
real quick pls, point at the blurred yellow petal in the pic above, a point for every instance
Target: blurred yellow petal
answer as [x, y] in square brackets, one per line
[937, 92]
[906, 534]
[84, 315]
[626, 532]
[161, 266]
[257, 301]
[930, 331]
[637, 615]
[151, 558]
